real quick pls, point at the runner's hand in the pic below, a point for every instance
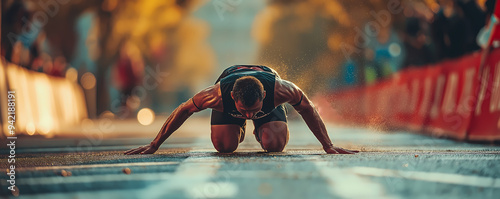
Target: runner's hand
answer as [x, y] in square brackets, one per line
[146, 149]
[338, 150]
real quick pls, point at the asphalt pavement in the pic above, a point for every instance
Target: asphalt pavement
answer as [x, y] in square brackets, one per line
[88, 162]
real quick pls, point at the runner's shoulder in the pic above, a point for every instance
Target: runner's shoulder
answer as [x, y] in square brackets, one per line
[286, 92]
[209, 97]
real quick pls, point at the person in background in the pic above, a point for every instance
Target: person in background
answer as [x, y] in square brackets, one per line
[418, 52]
[490, 21]
[385, 54]
[455, 26]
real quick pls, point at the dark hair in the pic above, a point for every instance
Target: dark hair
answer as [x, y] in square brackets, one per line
[248, 90]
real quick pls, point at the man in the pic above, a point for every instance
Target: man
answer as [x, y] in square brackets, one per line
[247, 92]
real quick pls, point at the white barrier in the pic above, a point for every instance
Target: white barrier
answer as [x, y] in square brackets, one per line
[45, 105]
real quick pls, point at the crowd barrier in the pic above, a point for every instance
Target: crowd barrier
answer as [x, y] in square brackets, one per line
[457, 98]
[44, 105]
[451, 99]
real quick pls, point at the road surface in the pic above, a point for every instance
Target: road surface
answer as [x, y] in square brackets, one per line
[390, 165]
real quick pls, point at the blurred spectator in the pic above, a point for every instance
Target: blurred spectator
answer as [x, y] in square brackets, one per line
[474, 18]
[455, 27]
[417, 50]
[490, 9]
[347, 77]
[385, 53]
[58, 67]
[128, 73]
[25, 42]
[11, 25]
[490, 21]
[18, 33]
[86, 49]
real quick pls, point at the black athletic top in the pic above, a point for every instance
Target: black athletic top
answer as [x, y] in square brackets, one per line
[264, 74]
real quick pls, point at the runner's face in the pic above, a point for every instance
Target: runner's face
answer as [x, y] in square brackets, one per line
[248, 112]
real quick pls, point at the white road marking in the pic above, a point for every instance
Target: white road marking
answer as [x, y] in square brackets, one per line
[474, 158]
[94, 148]
[194, 176]
[347, 185]
[97, 166]
[448, 178]
[55, 180]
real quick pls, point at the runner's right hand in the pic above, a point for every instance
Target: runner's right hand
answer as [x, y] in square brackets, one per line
[338, 150]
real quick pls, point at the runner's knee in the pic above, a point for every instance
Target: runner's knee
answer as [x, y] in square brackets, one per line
[225, 139]
[273, 141]
[223, 147]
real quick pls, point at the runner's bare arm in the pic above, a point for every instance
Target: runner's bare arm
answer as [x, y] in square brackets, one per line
[207, 98]
[287, 92]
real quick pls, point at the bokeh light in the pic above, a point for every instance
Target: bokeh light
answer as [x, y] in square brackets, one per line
[107, 114]
[72, 74]
[145, 116]
[88, 80]
[133, 102]
[395, 49]
[30, 129]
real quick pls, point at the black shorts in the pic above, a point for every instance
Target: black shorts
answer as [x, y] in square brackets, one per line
[220, 118]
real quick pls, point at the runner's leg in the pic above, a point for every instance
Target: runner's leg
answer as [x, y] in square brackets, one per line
[272, 131]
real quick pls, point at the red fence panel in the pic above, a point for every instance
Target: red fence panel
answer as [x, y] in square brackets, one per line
[485, 123]
[454, 96]
[437, 99]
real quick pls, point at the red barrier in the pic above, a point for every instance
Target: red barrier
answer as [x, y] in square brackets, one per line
[485, 123]
[423, 87]
[452, 98]
[438, 99]
[408, 98]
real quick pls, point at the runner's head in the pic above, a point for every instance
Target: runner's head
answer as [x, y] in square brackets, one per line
[248, 94]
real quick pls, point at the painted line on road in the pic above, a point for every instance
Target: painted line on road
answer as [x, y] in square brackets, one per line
[115, 177]
[474, 158]
[448, 178]
[97, 166]
[195, 176]
[347, 185]
[93, 149]
[55, 180]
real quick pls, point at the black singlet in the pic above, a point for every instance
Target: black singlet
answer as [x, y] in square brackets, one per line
[264, 74]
